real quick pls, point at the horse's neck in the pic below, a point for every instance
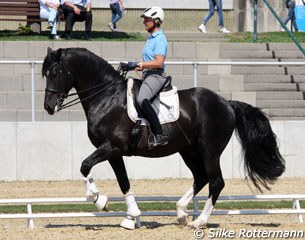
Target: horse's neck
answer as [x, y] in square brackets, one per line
[102, 98]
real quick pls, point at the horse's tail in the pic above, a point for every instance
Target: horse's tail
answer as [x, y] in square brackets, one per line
[263, 161]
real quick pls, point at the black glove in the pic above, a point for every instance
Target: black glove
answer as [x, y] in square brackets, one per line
[129, 66]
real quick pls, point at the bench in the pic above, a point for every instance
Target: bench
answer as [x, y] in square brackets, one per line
[22, 10]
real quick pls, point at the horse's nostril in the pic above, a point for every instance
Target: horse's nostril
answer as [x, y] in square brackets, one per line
[46, 107]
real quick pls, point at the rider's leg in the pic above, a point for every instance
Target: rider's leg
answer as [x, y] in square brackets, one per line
[149, 88]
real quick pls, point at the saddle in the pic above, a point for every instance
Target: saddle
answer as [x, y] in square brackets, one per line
[165, 103]
[136, 88]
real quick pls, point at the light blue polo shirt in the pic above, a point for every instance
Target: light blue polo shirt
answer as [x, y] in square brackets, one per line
[156, 44]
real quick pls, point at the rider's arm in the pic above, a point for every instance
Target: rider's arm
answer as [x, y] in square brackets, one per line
[158, 62]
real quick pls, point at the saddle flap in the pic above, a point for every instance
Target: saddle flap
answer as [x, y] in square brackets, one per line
[168, 110]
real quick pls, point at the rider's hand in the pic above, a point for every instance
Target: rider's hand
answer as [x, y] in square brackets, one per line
[132, 65]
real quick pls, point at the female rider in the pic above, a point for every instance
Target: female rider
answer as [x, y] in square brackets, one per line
[152, 67]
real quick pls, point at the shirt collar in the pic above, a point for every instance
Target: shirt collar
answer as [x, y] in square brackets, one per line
[155, 34]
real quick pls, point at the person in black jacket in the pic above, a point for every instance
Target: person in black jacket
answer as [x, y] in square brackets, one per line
[77, 10]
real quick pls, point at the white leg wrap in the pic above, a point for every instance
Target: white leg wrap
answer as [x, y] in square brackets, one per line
[182, 206]
[93, 193]
[132, 212]
[132, 206]
[203, 218]
[90, 187]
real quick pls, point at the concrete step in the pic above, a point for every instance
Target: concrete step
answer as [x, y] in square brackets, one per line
[268, 60]
[288, 54]
[20, 82]
[23, 101]
[41, 115]
[280, 103]
[260, 47]
[283, 46]
[279, 96]
[301, 86]
[195, 37]
[246, 54]
[202, 39]
[274, 79]
[262, 54]
[265, 87]
[268, 70]
[285, 112]
[287, 118]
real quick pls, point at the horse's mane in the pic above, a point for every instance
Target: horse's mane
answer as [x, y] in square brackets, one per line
[83, 53]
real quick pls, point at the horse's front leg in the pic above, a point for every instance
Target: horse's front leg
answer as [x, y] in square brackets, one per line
[133, 211]
[99, 155]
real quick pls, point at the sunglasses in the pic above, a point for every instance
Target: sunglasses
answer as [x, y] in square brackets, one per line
[146, 20]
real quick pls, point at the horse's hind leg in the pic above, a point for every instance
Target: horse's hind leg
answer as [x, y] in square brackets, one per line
[192, 160]
[216, 184]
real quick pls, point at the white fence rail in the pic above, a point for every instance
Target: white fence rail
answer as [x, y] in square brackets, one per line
[30, 216]
[195, 65]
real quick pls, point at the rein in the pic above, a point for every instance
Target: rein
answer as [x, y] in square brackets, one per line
[62, 96]
[72, 102]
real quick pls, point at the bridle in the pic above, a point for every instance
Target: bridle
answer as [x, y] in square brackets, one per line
[61, 95]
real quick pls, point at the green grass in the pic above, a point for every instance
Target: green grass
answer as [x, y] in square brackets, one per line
[145, 206]
[267, 37]
[7, 35]
[245, 37]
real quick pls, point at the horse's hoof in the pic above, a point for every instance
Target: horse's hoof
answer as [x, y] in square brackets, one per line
[197, 224]
[135, 212]
[101, 202]
[182, 220]
[128, 223]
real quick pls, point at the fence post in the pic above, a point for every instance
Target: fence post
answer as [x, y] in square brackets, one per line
[296, 205]
[30, 221]
[255, 21]
[33, 91]
[195, 74]
[196, 209]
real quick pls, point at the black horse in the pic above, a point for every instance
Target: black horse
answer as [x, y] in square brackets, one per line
[200, 135]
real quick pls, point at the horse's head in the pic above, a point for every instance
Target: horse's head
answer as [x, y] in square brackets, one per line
[59, 79]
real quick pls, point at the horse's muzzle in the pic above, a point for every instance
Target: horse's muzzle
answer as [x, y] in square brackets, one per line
[49, 109]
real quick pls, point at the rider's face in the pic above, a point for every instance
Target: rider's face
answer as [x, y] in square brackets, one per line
[148, 23]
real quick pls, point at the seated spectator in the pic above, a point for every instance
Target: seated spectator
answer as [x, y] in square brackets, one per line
[49, 10]
[77, 10]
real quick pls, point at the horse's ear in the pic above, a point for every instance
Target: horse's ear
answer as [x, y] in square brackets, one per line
[57, 55]
[49, 50]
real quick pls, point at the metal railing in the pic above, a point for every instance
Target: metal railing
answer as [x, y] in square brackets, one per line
[30, 216]
[195, 65]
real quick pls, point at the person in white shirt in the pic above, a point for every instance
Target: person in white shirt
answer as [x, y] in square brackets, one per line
[49, 10]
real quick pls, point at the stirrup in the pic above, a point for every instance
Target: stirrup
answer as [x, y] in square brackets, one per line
[152, 143]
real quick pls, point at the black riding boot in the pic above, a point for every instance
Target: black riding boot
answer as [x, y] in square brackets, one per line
[150, 114]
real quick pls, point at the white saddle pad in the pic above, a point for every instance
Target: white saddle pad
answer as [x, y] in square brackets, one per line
[166, 106]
